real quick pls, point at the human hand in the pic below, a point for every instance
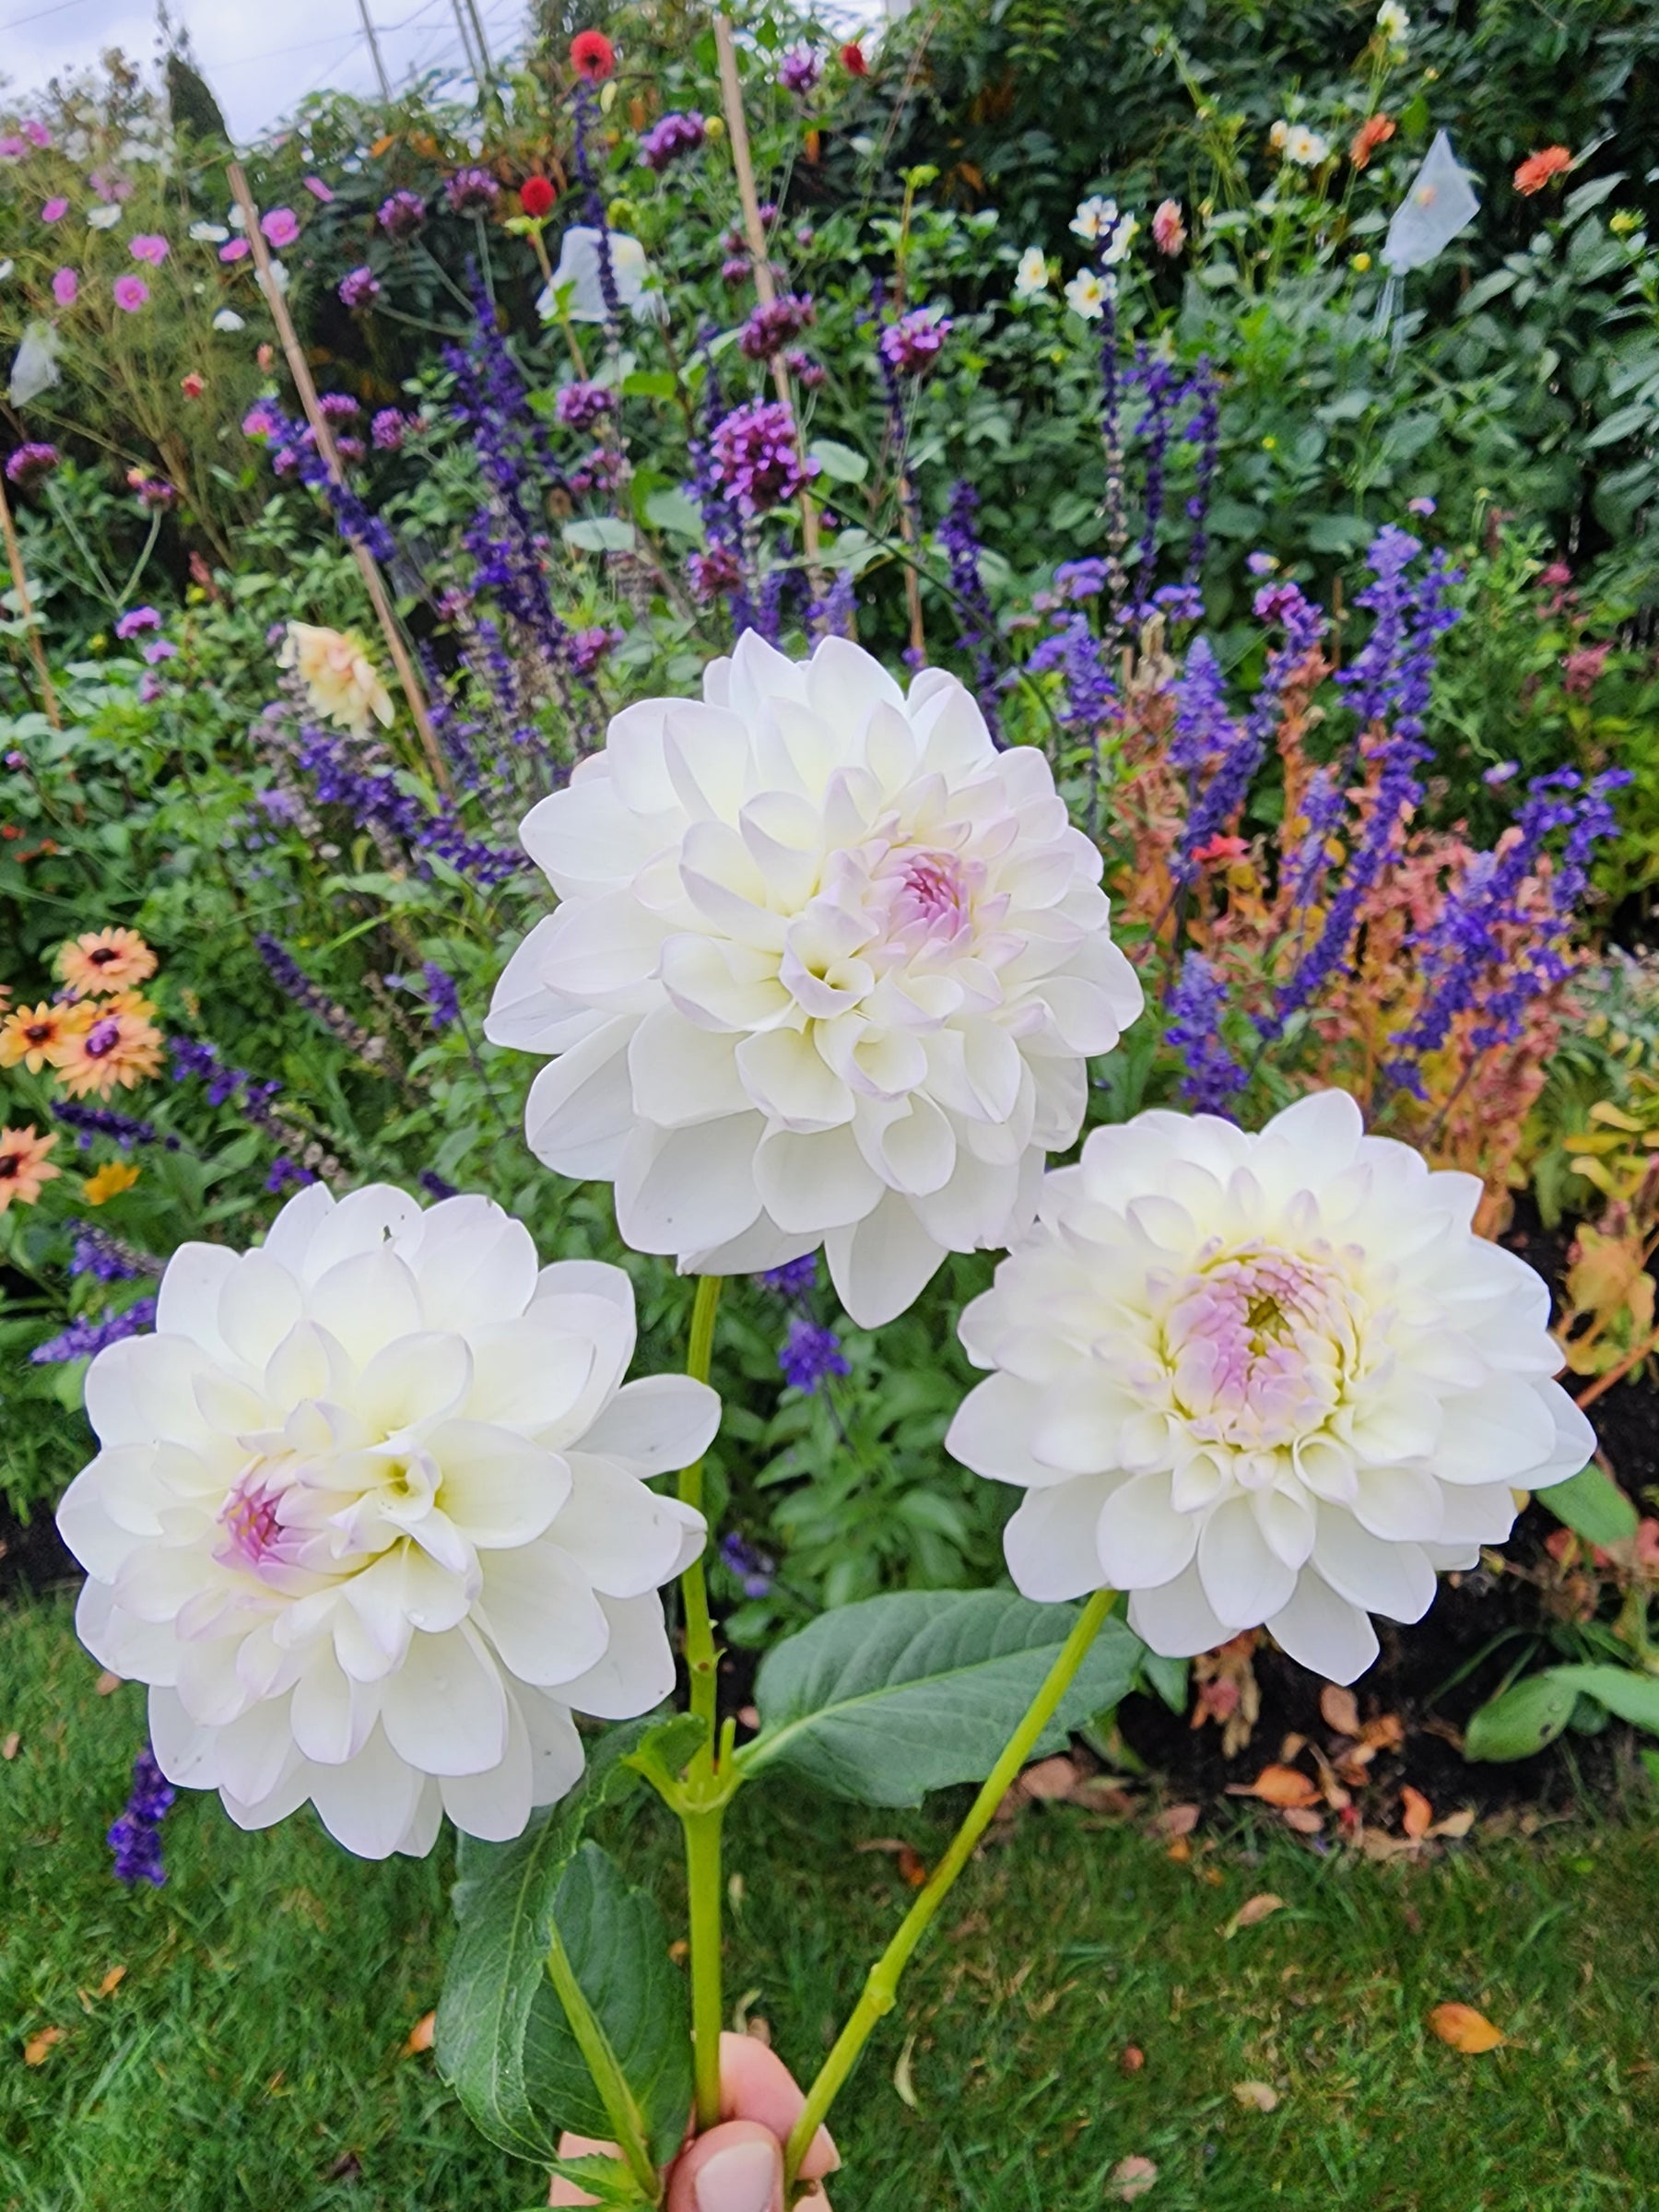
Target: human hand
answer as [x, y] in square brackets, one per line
[738, 2166]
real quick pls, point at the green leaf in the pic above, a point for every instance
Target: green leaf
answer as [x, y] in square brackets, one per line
[1336, 533]
[1634, 1697]
[616, 1943]
[1521, 1720]
[600, 534]
[607, 2180]
[1594, 1507]
[1169, 1677]
[840, 463]
[503, 1898]
[649, 383]
[884, 1701]
[672, 511]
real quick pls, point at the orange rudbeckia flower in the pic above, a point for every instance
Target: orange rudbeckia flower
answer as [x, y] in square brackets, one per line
[105, 960]
[24, 1165]
[1535, 171]
[120, 1044]
[40, 1036]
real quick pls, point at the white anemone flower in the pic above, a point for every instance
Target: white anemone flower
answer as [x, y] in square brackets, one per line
[209, 234]
[578, 267]
[1262, 1380]
[1095, 217]
[1122, 237]
[228, 319]
[1088, 293]
[369, 1518]
[1305, 148]
[1031, 278]
[104, 218]
[826, 968]
[1393, 23]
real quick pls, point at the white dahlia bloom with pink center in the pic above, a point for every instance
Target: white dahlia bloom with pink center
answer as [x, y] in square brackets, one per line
[826, 968]
[1271, 1380]
[369, 1518]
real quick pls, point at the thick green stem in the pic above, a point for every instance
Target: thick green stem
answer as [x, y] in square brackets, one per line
[881, 1987]
[702, 1821]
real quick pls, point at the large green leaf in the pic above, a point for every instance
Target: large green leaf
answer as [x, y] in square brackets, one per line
[1592, 1506]
[1521, 1720]
[1633, 1697]
[885, 1701]
[504, 1898]
[616, 1943]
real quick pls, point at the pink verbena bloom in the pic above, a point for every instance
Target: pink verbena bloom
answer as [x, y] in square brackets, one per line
[914, 343]
[757, 464]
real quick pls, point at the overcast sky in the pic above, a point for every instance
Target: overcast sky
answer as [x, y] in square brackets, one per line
[261, 61]
[258, 61]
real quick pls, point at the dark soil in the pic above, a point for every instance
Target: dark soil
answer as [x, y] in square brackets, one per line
[33, 1554]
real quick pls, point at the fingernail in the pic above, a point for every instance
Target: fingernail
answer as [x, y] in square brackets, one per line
[741, 2179]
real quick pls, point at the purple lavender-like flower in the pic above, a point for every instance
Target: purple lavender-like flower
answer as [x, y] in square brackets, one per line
[360, 287]
[1213, 1078]
[402, 213]
[810, 1354]
[913, 344]
[1235, 770]
[434, 1184]
[286, 1175]
[584, 114]
[1204, 430]
[773, 324]
[714, 573]
[755, 462]
[1088, 694]
[136, 1838]
[796, 1278]
[667, 140]
[31, 465]
[339, 407]
[809, 374]
[388, 431]
[85, 1338]
[125, 1129]
[961, 545]
[753, 1569]
[735, 270]
[443, 1000]
[580, 406]
[1204, 730]
[471, 192]
[1178, 602]
[800, 70]
[1161, 384]
[101, 1255]
[832, 615]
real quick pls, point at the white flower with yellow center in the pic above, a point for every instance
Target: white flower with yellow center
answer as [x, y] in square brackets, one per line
[1088, 293]
[1095, 219]
[342, 682]
[1031, 278]
[370, 1519]
[1305, 148]
[826, 968]
[1272, 1380]
[1393, 23]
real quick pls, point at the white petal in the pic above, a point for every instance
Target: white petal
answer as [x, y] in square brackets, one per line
[818, 1182]
[1176, 1618]
[1392, 1579]
[368, 1803]
[1051, 1543]
[992, 1429]
[688, 1188]
[636, 1671]
[1143, 1540]
[445, 1708]
[657, 1425]
[1325, 1632]
[494, 1805]
[496, 1488]
[881, 1264]
[580, 1106]
[539, 1609]
[626, 1539]
[1243, 1577]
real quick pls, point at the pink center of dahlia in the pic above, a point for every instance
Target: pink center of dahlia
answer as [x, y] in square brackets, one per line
[930, 896]
[1258, 1345]
[254, 1536]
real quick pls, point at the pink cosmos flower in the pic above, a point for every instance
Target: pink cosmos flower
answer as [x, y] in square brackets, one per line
[238, 250]
[37, 133]
[280, 227]
[131, 292]
[54, 211]
[318, 189]
[66, 288]
[1168, 232]
[13, 149]
[148, 246]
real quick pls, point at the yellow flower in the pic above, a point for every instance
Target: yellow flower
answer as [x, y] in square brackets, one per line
[41, 1036]
[342, 682]
[1362, 262]
[109, 1181]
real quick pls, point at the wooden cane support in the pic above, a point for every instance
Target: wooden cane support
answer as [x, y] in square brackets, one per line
[299, 369]
[14, 554]
[731, 96]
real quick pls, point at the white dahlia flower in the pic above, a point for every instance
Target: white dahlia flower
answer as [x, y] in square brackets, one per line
[369, 1518]
[1262, 1380]
[826, 968]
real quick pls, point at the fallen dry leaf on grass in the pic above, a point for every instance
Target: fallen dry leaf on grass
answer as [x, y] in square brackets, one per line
[1256, 2096]
[1175, 1820]
[1455, 1825]
[8, 1750]
[1051, 1777]
[1301, 1821]
[1131, 2178]
[1339, 1709]
[111, 1981]
[1278, 1785]
[903, 2080]
[1465, 2029]
[39, 2043]
[1254, 1909]
[1130, 2059]
[420, 2035]
[1416, 1814]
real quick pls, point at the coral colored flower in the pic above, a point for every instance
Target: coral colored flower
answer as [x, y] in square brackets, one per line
[342, 682]
[1261, 1381]
[370, 1518]
[536, 197]
[66, 288]
[38, 1036]
[853, 59]
[592, 55]
[109, 1181]
[131, 292]
[1535, 171]
[281, 227]
[119, 1044]
[825, 969]
[1220, 852]
[24, 1165]
[1168, 232]
[1375, 131]
[194, 385]
[105, 960]
[54, 211]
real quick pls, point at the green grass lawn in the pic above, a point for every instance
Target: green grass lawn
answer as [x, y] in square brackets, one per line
[252, 2054]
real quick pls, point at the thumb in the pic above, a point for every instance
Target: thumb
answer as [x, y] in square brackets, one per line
[736, 2167]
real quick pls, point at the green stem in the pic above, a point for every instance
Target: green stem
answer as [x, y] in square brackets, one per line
[702, 1821]
[881, 1987]
[608, 2077]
